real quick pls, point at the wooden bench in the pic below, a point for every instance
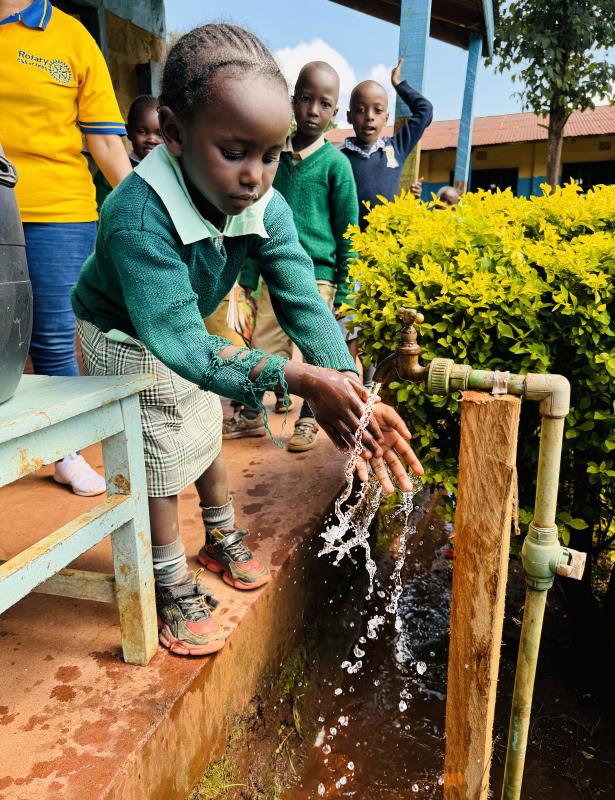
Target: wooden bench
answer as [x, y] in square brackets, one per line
[48, 418]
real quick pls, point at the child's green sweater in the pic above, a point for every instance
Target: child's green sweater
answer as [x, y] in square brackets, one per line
[322, 194]
[143, 281]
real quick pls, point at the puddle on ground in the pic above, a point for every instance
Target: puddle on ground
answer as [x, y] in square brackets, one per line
[380, 731]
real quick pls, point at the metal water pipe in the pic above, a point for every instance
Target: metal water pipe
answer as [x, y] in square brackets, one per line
[542, 554]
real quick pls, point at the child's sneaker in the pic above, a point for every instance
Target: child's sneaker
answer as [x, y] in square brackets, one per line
[74, 471]
[240, 426]
[184, 613]
[228, 554]
[283, 405]
[304, 437]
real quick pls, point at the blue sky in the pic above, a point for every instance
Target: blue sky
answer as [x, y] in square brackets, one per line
[355, 44]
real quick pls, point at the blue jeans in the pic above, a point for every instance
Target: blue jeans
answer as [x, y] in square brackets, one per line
[56, 252]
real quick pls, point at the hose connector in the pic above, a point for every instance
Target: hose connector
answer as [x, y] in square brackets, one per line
[544, 557]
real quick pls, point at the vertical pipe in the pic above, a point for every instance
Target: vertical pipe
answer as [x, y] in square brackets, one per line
[547, 480]
[549, 456]
[414, 20]
[535, 601]
[466, 123]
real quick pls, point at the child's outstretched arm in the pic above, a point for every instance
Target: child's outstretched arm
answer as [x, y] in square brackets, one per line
[420, 108]
[344, 211]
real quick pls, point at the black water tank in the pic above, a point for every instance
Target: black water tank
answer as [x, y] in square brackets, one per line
[15, 287]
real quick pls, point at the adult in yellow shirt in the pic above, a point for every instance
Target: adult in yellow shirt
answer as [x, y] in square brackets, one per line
[54, 88]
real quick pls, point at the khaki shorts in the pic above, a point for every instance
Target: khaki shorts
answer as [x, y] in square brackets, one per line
[268, 335]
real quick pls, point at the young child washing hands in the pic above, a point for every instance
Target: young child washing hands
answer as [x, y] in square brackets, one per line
[171, 242]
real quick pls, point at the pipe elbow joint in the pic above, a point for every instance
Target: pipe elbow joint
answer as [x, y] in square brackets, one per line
[551, 391]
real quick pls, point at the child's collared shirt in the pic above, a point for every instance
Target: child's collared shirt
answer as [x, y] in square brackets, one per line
[54, 86]
[160, 267]
[378, 168]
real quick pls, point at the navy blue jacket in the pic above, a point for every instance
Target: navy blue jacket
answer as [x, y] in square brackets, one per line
[380, 173]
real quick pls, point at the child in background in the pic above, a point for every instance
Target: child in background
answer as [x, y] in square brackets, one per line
[171, 241]
[316, 181]
[143, 131]
[377, 162]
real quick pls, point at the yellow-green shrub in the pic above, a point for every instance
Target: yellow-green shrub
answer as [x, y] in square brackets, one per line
[504, 283]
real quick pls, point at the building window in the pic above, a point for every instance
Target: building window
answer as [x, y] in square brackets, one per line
[589, 173]
[492, 179]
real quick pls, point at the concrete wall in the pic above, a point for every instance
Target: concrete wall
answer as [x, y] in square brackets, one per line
[530, 158]
[127, 46]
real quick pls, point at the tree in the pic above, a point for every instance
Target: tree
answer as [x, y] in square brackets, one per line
[560, 49]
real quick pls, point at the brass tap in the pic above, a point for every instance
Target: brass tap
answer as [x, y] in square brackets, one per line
[408, 352]
[403, 364]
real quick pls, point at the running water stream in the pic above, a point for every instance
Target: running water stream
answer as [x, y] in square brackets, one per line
[350, 531]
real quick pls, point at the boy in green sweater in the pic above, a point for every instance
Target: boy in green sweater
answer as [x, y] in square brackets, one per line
[317, 182]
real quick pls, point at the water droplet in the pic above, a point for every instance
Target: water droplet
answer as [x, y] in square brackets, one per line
[351, 765]
[421, 667]
[415, 787]
[351, 689]
[326, 749]
[343, 721]
[321, 789]
[346, 664]
[362, 639]
[332, 731]
[403, 705]
[321, 719]
[358, 652]
[432, 654]
[337, 691]
[440, 780]
[376, 682]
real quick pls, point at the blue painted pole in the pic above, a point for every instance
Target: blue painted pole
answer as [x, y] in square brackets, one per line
[415, 16]
[466, 123]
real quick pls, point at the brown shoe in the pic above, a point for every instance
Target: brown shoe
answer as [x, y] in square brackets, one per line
[304, 437]
[240, 426]
[283, 404]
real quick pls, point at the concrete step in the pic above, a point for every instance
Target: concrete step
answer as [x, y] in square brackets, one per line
[76, 721]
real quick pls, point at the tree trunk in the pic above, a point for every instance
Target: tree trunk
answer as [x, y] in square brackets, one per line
[557, 119]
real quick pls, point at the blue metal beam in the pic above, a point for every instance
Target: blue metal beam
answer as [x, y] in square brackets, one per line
[413, 35]
[466, 123]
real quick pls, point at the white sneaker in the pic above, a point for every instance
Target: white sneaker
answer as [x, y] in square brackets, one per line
[74, 471]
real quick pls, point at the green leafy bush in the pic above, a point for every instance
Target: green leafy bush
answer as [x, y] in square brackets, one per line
[511, 284]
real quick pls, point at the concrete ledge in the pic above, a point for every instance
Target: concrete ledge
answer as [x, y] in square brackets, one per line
[75, 720]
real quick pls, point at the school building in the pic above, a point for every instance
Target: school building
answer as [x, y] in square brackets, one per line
[511, 151]
[131, 35]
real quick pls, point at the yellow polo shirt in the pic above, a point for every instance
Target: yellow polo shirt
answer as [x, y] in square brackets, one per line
[54, 86]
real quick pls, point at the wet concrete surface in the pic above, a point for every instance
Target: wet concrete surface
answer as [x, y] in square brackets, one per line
[75, 720]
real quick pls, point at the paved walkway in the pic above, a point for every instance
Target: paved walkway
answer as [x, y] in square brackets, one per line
[76, 722]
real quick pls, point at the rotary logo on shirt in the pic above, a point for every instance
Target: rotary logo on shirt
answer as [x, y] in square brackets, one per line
[389, 151]
[59, 70]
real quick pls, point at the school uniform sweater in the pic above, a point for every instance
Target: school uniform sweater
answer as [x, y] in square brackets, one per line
[379, 173]
[322, 194]
[143, 280]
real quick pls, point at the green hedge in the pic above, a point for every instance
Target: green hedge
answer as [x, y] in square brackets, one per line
[504, 283]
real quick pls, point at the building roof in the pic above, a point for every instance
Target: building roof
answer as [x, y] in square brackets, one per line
[451, 21]
[504, 129]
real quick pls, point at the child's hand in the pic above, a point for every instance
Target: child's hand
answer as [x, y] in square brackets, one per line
[417, 188]
[395, 447]
[396, 73]
[337, 400]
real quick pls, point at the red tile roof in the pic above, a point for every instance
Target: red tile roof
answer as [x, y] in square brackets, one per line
[505, 129]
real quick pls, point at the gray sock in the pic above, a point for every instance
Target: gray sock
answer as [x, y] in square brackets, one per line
[170, 563]
[222, 517]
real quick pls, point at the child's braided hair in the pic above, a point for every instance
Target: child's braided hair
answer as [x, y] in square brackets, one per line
[194, 60]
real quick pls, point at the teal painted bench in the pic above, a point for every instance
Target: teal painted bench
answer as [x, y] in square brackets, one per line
[47, 418]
